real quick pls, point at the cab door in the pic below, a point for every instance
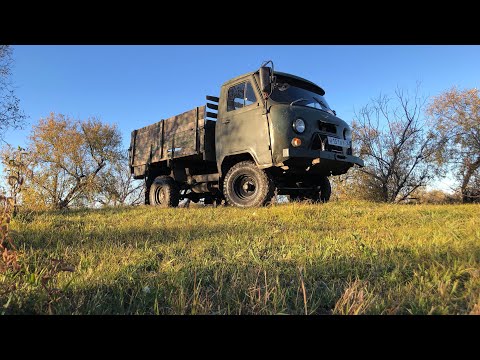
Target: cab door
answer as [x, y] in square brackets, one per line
[241, 127]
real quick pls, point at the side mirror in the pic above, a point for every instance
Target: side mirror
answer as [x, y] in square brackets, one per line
[265, 77]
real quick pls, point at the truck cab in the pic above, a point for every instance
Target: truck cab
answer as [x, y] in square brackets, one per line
[288, 127]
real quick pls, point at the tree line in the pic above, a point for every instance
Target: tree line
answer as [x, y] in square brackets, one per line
[407, 141]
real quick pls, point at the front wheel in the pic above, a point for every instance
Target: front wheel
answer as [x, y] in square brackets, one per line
[325, 191]
[245, 185]
[164, 192]
[321, 194]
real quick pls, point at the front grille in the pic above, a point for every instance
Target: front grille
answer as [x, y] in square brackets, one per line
[319, 142]
[327, 127]
[334, 148]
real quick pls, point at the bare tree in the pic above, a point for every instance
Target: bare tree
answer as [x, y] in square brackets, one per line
[455, 115]
[116, 185]
[11, 117]
[391, 136]
[15, 168]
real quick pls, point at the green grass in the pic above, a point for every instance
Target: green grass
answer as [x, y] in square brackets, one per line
[337, 258]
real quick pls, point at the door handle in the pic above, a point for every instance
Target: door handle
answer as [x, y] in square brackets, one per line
[226, 121]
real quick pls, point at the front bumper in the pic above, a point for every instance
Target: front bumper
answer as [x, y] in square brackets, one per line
[326, 155]
[327, 163]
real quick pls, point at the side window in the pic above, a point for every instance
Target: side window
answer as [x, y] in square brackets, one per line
[250, 97]
[235, 97]
[240, 95]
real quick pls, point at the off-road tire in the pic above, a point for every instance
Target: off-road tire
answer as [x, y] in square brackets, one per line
[245, 185]
[322, 195]
[164, 192]
[325, 191]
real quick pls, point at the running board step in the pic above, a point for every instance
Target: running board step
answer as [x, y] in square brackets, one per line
[206, 178]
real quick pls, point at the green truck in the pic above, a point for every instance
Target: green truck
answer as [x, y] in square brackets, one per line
[268, 133]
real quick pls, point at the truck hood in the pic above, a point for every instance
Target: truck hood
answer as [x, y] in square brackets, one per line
[311, 116]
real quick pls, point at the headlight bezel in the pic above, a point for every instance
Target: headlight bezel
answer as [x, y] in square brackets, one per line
[347, 134]
[297, 125]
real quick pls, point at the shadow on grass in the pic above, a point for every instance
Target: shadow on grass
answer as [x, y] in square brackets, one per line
[147, 288]
[170, 285]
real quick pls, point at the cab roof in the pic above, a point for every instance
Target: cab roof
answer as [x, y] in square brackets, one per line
[298, 78]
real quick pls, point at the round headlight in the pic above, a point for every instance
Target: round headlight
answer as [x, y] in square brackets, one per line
[299, 125]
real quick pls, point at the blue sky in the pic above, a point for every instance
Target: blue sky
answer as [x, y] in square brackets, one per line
[134, 86]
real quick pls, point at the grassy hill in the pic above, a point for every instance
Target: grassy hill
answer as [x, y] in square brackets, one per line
[337, 258]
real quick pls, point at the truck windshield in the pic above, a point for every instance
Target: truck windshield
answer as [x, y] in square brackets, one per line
[289, 91]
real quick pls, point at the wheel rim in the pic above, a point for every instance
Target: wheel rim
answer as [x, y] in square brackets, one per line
[244, 187]
[159, 195]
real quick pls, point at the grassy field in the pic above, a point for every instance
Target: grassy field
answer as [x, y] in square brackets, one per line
[337, 258]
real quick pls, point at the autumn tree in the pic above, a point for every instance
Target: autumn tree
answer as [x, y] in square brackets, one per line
[391, 136]
[11, 116]
[455, 115]
[67, 157]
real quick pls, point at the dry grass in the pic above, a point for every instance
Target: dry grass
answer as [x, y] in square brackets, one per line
[354, 300]
[337, 258]
[8, 250]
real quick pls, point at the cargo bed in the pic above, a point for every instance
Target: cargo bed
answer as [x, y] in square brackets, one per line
[188, 136]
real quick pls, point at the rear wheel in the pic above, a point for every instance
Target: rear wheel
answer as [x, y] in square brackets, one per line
[246, 185]
[164, 192]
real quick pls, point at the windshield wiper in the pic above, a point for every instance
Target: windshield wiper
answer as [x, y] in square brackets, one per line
[298, 100]
[322, 105]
